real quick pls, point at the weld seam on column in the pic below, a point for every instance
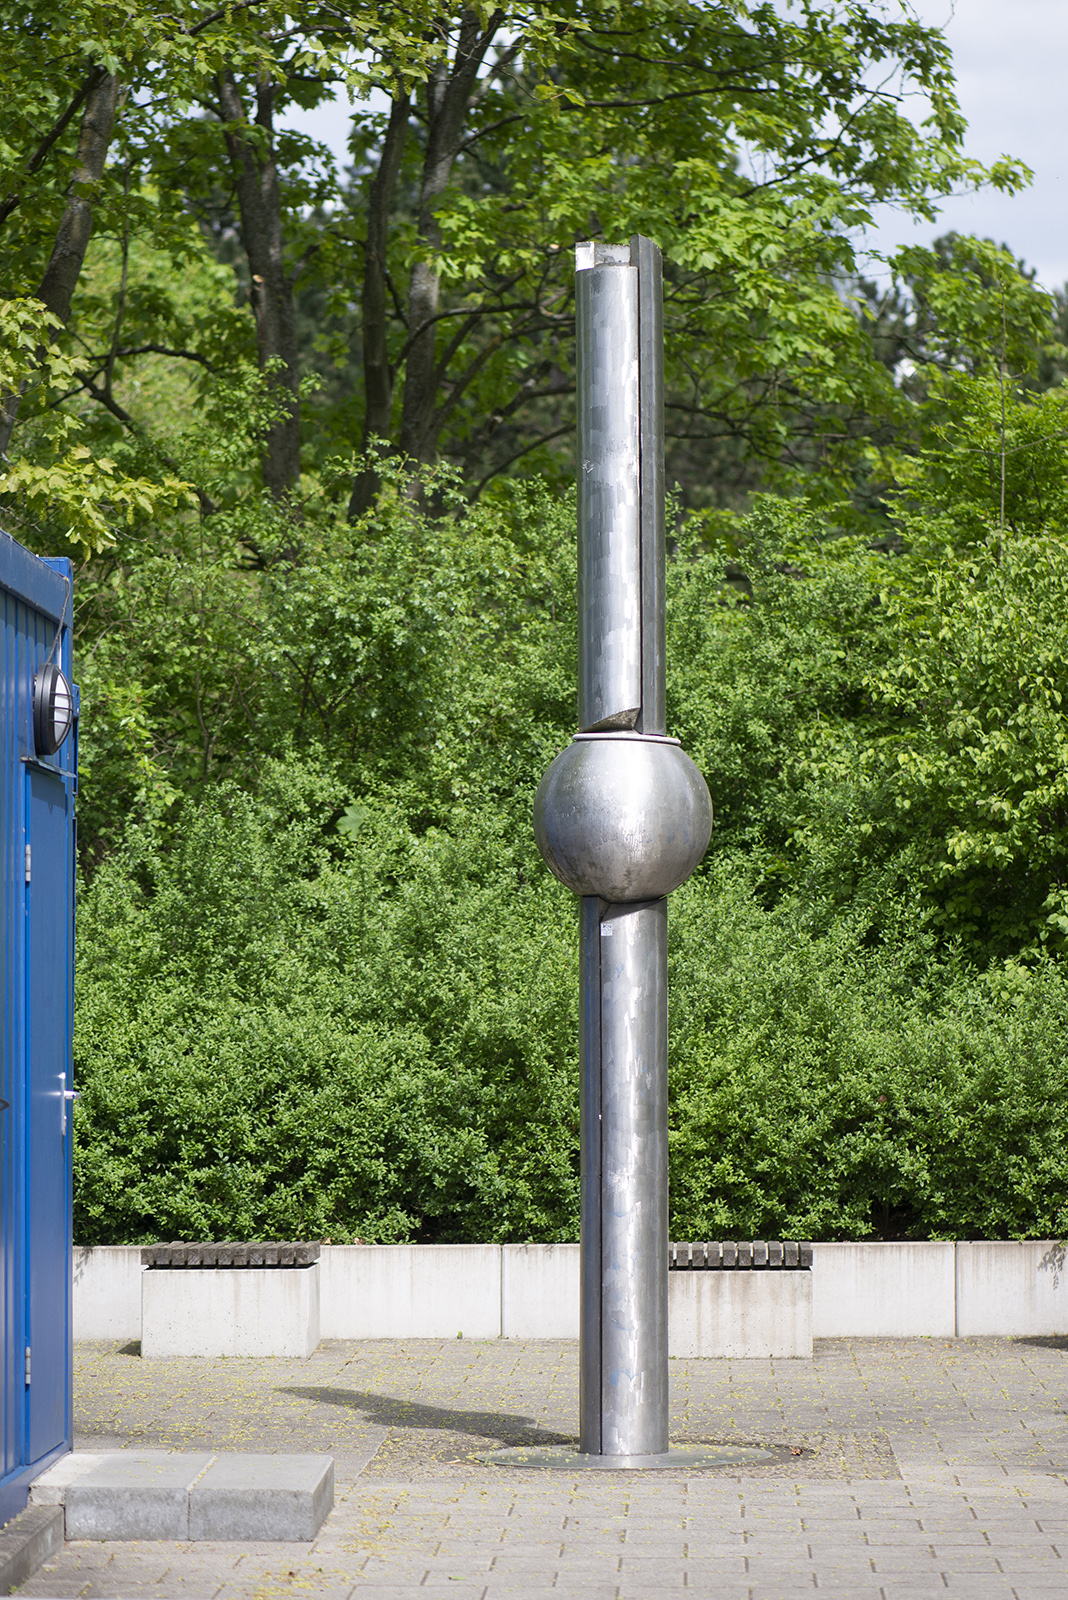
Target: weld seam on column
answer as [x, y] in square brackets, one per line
[646, 259]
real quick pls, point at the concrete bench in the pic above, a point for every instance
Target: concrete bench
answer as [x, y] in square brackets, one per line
[740, 1298]
[741, 1255]
[725, 1298]
[229, 1300]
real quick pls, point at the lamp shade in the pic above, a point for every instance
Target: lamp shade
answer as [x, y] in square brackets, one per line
[53, 710]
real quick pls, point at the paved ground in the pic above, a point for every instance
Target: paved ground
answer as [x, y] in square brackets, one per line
[929, 1469]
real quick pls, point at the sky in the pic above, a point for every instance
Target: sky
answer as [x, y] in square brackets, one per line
[1011, 57]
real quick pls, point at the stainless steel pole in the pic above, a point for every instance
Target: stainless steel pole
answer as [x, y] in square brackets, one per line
[590, 1168]
[623, 1408]
[633, 1262]
[609, 489]
[622, 817]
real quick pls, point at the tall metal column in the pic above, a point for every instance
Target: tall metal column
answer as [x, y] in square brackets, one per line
[624, 1372]
[622, 817]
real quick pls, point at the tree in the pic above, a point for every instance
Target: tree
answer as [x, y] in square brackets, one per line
[958, 319]
[748, 143]
[100, 95]
[87, 83]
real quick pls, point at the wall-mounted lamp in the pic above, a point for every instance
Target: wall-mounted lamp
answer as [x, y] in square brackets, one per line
[53, 710]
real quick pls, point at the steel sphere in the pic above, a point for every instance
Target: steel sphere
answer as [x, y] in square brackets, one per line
[623, 817]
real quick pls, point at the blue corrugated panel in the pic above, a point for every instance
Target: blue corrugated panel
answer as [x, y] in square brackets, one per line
[37, 951]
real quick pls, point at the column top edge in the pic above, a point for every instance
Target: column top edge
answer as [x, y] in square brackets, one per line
[591, 253]
[628, 733]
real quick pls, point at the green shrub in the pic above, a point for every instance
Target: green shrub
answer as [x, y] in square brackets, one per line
[287, 1029]
[282, 1030]
[826, 1088]
[326, 986]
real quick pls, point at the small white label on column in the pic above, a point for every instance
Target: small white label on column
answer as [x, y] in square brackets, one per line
[606, 930]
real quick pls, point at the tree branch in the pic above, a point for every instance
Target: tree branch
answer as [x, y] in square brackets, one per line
[543, 438]
[125, 351]
[76, 224]
[216, 16]
[54, 133]
[207, 505]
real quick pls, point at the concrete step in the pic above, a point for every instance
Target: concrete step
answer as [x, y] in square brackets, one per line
[26, 1542]
[164, 1494]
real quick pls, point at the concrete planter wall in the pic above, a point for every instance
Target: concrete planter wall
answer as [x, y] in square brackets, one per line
[531, 1291]
[406, 1291]
[740, 1314]
[107, 1292]
[1013, 1287]
[884, 1290]
[942, 1291]
[247, 1312]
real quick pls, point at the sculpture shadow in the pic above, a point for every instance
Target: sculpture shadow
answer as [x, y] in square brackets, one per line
[389, 1412]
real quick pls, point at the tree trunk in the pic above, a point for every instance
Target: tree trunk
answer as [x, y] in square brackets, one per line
[449, 93]
[377, 372]
[256, 178]
[76, 224]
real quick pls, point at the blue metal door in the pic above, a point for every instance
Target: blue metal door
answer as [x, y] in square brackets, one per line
[37, 954]
[49, 960]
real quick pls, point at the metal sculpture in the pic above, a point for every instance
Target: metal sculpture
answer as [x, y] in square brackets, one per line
[622, 817]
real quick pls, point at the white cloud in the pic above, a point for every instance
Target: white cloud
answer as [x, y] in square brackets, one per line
[1009, 57]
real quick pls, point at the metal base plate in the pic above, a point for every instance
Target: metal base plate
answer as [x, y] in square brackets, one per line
[688, 1457]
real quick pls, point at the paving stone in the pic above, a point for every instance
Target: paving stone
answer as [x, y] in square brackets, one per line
[50, 1489]
[262, 1497]
[933, 1588]
[974, 1429]
[133, 1496]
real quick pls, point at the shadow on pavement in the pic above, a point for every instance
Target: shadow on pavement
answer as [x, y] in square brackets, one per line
[388, 1412]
